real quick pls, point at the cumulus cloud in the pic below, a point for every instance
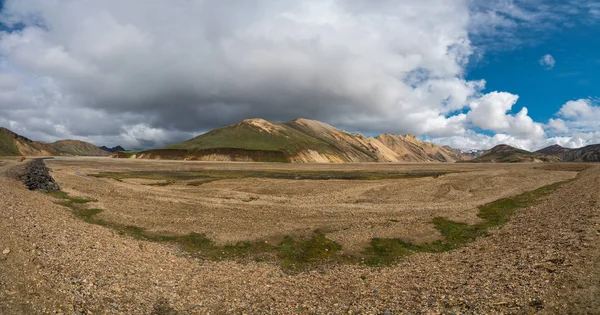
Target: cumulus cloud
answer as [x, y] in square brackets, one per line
[558, 125]
[145, 73]
[349, 63]
[490, 112]
[581, 116]
[547, 61]
[581, 109]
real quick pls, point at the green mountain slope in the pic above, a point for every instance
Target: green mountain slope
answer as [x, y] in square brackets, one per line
[252, 134]
[12, 144]
[7, 143]
[77, 148]
[300, 140]
[506, 154]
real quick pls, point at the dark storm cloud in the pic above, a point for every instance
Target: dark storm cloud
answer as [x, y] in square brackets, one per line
[149, 72]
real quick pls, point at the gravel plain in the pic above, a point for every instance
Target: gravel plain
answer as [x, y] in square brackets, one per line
[545, 260]
[351, 212]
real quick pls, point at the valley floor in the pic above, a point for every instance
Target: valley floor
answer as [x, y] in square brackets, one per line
[545, 259]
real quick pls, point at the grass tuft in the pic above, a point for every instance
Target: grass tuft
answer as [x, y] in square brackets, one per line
[58, 194]
[456, 234]
[298, 254]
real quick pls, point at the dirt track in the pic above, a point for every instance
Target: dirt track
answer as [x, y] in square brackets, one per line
[544, 259]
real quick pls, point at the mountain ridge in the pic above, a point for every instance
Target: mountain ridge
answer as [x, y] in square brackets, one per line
[113, 149]
[555, 153]
[13, 144]
[301, 141]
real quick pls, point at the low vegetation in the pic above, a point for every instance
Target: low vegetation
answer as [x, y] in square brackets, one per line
[301, 253]
[294, 254]
[248, 137]
[7, 145]
[455, 234]
[197, 178]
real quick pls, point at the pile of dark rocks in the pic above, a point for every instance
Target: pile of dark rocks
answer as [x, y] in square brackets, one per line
[37, 177]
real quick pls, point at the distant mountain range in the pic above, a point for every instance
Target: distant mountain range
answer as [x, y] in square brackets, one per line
[300, 140]
[12, 144]
[113, 149]
[473, 153]
[555, 153]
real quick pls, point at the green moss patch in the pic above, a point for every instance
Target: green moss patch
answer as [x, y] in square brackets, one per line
[302, 253]
[292, 253]
[456, 234]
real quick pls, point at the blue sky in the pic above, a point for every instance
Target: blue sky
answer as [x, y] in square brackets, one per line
[145, 73]
[576, 74]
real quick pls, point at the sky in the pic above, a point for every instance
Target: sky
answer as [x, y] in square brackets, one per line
[145, 73]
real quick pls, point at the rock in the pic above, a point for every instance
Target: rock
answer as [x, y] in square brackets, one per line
[37, 177]
[6, 251]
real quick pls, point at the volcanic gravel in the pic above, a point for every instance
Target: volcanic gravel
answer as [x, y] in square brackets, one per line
[53, 263]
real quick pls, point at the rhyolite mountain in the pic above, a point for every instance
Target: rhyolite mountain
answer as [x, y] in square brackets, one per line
[301, 141]
[12, 144]
[555, 153]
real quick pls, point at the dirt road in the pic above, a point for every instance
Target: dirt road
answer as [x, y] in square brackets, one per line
[544, 260]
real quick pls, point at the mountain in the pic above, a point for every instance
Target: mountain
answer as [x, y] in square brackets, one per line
[506, 154]
[555, 153]
[590, 153]
[12, 144]
[473, 153]
[553, 150]
[302, 141]
[113, 149]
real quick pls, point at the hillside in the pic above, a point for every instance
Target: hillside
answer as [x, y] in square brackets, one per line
[590, 153]
[553, 150]
[113, 149]
[7, 143]
[506, 154]
[554, 153]
[301, 141]
[12, 144]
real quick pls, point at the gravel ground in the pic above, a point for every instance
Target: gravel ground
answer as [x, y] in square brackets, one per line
[352, 212]
[544, 260]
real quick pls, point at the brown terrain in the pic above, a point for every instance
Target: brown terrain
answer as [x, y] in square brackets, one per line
[12, 144]
[506, 154]
[544, 260]
[300, 141]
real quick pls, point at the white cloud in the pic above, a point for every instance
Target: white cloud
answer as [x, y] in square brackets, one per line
[577, 126]
[547, 61]
[355, 64]
[581, 116]
[490, 112]
[473, 140]
[581, 109]
[509, 24]
[558, 125]
[148, 72]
